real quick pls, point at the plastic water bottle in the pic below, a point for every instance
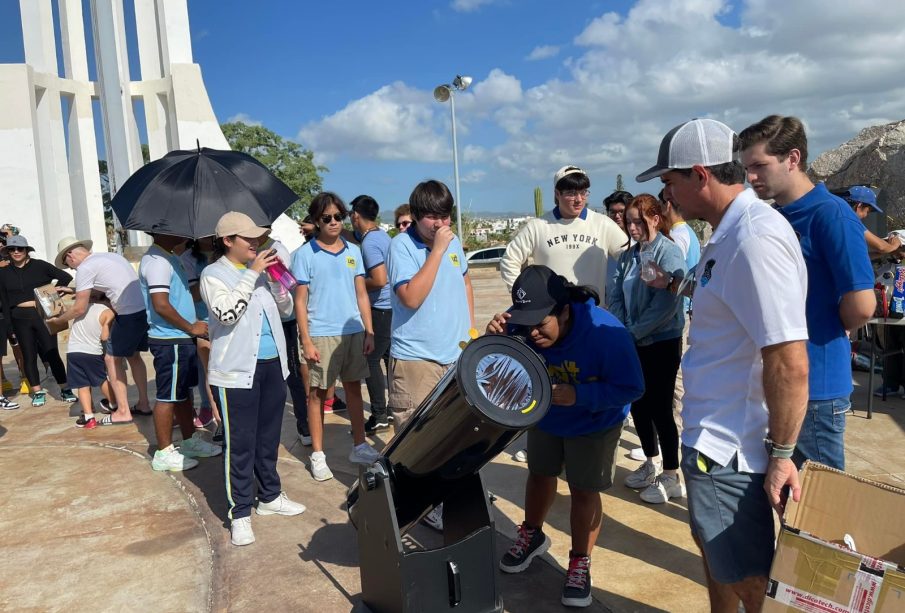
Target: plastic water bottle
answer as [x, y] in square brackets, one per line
[280, 274]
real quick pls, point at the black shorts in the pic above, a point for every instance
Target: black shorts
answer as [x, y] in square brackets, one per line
[175, 370]
[128, 335]
[85, 370]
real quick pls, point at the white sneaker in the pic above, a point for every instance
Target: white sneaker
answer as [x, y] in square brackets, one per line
[664, 488]
[434, 519]
[281, 505]
[521, 455]
[363, 454]
[170, 459]
[305, 439]
[637, 454]
[240, 532]
[319, 469]
[198, 447]
[643, 476]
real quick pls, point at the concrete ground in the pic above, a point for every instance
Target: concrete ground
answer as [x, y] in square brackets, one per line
[87, 525]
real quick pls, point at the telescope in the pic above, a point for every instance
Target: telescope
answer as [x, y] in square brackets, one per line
[498, 388]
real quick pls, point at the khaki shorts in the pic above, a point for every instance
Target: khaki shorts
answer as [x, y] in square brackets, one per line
[589, 459]
[342, 357]
[410, 383]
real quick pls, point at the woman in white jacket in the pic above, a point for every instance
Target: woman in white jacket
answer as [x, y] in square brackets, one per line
[247, 369]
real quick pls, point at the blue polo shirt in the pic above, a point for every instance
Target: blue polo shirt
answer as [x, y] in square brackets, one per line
[832, 242]
[375, 248]
[434, 330]
[162, 272]
[330, 277]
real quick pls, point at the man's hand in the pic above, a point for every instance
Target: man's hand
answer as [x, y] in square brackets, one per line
[661, 280]
[310, 351]
[498, 324]
[443, 238]
[369, 343]
[780, 473]
[563, 394]
[306, 229]
[199, 328]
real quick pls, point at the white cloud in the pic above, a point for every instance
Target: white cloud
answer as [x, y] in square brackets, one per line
[473, 176]
[469, 6]
[543, 52]
[396, 122]
[637, 75]
[244, 118]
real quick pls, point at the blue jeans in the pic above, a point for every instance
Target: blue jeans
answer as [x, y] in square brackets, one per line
[822, 437]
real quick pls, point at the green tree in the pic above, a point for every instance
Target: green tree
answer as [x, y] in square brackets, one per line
[292, 163]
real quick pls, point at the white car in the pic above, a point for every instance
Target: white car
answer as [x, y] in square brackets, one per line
[490, 255]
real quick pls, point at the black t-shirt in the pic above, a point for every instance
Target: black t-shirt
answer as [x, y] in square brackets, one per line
[19, 283]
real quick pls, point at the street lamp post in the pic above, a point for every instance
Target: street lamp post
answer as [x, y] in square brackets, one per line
[442, 93]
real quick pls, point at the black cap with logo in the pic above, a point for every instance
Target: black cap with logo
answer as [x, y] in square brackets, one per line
[536, 292]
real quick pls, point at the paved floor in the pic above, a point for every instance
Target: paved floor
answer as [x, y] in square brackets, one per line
[87, 525]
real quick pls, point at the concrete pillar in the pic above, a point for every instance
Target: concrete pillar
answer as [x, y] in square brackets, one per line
[175, 35]
[114, 91]
[84, 177]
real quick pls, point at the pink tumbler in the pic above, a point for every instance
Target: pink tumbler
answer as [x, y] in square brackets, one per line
[280, 274]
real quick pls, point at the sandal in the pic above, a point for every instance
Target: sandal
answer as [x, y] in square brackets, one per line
[107, 420]
[135, 411]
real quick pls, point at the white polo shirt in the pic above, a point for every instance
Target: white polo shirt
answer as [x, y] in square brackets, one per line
[750, 294]
[111, 274]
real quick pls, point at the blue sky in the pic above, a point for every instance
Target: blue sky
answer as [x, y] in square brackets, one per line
[595, 84]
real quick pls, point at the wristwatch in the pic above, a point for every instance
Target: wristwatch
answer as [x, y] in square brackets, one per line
[775, 450]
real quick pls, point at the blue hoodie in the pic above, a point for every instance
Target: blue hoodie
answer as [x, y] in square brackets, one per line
[598, 357]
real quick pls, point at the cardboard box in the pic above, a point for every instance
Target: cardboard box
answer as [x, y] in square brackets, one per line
[815, 570]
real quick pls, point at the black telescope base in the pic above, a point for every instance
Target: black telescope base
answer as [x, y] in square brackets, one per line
[460, 576]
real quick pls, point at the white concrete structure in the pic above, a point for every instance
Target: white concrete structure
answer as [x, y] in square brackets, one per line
[50, 190]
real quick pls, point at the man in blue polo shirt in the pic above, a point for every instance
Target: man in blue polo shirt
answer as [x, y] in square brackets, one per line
[375, 248]
[433, 304]
[840, 277]
[173, 327]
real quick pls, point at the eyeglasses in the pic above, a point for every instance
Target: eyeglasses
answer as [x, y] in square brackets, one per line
[616, 213]
[337, 217]
[403, 224]
[14, 249]
[575, 193]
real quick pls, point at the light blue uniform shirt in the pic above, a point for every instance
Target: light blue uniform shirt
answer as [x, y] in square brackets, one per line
[434, 330]
[159, 272]
[267, 345]
[375, 248]
[330, 277]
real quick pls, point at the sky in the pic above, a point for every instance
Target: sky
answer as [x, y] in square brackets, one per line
[594, 84]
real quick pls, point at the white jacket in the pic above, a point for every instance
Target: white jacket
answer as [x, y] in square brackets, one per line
[238, 300]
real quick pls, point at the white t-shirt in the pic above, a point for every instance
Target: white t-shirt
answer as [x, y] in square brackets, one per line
[111, 274]
[750, 294]
[574, 248]
[85, 335]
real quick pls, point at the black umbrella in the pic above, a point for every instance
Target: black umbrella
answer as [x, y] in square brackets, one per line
[185, 193]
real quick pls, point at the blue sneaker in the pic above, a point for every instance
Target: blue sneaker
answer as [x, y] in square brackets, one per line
[887, 390]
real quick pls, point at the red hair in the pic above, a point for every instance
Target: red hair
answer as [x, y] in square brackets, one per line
[648, 207]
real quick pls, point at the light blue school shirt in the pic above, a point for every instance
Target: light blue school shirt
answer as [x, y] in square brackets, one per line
[330, 277]
[267, 345]
[434, 330]
[160, 271]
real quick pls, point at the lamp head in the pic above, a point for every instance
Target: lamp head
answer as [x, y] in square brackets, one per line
[441, 93]
[461, 83]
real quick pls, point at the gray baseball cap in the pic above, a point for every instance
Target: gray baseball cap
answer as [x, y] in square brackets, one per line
[704, 142]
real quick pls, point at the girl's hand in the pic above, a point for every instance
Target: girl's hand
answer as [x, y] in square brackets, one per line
[498, 324]
[264, 259]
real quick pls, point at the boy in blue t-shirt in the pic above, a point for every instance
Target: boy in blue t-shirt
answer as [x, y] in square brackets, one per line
[840, 276]
[433, 304]
[173, 327]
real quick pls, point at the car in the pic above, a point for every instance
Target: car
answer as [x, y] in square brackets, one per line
[490, 255]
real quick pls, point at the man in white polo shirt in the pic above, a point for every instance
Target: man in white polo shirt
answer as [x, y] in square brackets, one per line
[746, 369]
[112, 275]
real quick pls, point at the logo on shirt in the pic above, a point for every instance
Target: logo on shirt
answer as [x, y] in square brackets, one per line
[708, 272]
[350, 261]
[454, 258]
[567, 372]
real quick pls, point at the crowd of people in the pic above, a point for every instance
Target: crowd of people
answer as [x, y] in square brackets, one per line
[731, 359]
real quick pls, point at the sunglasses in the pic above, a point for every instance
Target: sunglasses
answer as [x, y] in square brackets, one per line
[17, 249]
[403, 224]
[338, 217]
